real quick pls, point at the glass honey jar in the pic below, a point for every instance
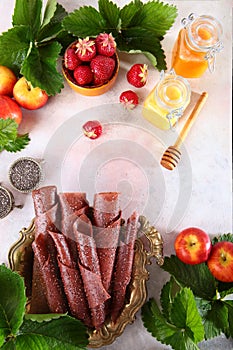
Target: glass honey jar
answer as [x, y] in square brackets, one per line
[167, 101]
[196, 47]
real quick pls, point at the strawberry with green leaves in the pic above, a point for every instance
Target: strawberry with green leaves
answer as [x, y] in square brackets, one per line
[105, 44]
[102, 68]
[85, 49]
[137, 75]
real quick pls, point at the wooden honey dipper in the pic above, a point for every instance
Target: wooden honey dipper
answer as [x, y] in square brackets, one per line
[172, 155]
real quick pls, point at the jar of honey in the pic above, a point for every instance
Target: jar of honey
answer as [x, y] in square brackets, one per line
[167, 101]
[196, 46]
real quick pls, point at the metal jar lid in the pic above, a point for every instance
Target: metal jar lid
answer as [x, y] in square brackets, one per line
[25, 174]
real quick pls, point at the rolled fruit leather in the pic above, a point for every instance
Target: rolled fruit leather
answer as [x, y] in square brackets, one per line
[107, 222]
[123, 265]
[90, 270]
[46, 295]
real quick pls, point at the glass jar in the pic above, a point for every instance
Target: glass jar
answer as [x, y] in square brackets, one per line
[167, 101]
[196, 46]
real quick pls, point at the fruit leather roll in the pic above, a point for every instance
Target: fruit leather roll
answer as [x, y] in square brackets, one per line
[90, 270]
[71, 279]
[72, 205]
[106, 208]
[46, 210]
[123, 265]
[107, 221]
[45, 254]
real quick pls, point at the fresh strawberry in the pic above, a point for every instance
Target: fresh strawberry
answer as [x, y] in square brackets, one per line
[137, 75]
[129, 99]
[83, 75]
[85, 49]
[103, 68]
[71, 60]
[92, 129]
[105, 44]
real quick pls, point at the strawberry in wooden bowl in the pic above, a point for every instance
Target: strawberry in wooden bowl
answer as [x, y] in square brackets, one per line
[90, 66]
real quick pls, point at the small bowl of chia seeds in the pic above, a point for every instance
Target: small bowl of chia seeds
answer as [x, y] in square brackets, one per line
[25, 174]
[6, 202]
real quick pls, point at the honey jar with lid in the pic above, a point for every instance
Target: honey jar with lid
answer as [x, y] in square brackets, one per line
[167, 101]
[196, 46]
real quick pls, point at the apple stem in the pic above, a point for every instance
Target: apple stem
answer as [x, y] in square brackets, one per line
[28, 85]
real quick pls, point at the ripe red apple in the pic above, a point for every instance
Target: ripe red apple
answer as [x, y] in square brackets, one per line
[27, 96]
[220, 261]
[10, 109]
[7, 81]
[192, 246]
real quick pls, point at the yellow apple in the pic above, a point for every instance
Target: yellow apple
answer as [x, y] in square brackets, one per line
[27, 96]
[7, 81]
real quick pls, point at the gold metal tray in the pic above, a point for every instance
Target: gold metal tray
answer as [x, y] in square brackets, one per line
[149, 245]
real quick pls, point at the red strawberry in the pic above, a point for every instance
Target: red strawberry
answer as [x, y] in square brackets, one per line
[105, 44]
[71, 60]
[85, 49]
[92, 129]
[129, 99]
[137, 75]
[83, 75]
[103, 68]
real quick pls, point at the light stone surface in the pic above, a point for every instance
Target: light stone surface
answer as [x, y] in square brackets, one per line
[197, 193]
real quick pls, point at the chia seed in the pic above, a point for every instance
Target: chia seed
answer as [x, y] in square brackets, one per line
[25, 174]
[6, 202]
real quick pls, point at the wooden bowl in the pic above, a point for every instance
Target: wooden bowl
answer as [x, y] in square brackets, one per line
[149, 244]
[90, 90]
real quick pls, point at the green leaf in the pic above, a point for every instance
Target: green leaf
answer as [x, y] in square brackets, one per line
[54, 27]
[138, 38]
[111, 13]
[8, 130]
[157, 17]
[218, 315]
[14, 47]
[10, 345]
[40, 68]
[128, 13]
[184, 315]
[167, 295]
[42, 317]
[50, 9]
[65, 333]
[86, 21]
[12, 302]
[28, 13]
[17, 144]
[163, 331]
[225, 237]
[197, 277]
[229, 305]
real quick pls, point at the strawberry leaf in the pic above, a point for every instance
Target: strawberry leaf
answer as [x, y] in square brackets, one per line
[40, 68]
[63, 333]
[8, 130]
[185, 330]
[86, 21]
[225, 237]
[12, 302]
[49, 12]
[111, 13]
[196, 277]
[10, 345]
[14, 46]
[28, 13]
[52, 26]
[129, 14]
[17, 144]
